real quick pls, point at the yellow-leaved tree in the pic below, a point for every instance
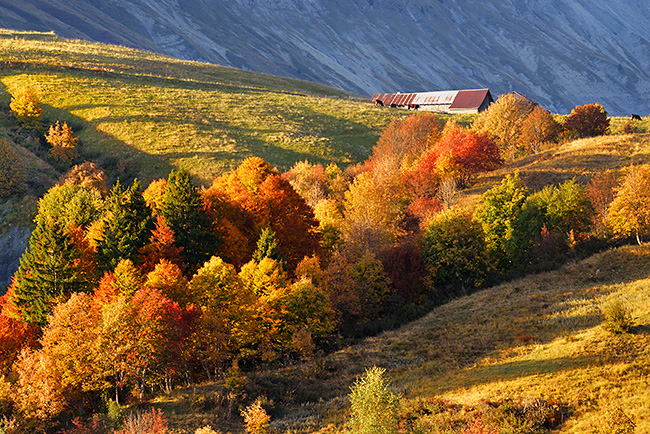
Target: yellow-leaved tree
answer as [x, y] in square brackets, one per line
[629, 212]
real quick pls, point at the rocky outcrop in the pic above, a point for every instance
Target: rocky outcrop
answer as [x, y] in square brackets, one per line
[13, 243]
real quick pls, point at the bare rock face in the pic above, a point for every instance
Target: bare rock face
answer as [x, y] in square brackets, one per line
[13, 243]
[559, 53]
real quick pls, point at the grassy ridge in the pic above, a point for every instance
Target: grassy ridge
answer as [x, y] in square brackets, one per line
[143, 114]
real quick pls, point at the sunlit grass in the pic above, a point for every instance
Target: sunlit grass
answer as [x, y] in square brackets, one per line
[142, 114]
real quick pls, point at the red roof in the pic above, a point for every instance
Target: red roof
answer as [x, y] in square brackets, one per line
[470, 99]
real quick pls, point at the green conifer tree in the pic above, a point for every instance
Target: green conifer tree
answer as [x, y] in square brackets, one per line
[267, 247]
[185, 214]
[54, 266]
[127, 227]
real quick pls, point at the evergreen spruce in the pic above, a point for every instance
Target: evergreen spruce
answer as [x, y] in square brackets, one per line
[51, 269]
[267, 247]
[185, 214]
[127, 227]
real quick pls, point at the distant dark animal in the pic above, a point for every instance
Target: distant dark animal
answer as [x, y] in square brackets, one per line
[635, 117]
[379, 102]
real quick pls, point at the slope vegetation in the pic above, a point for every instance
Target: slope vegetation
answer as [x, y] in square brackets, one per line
[140, 114]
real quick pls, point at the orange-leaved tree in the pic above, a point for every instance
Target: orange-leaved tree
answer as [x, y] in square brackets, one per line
[587, 121]
[62, 141]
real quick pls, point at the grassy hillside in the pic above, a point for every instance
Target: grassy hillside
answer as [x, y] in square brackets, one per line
[140, 114]
[537, 337]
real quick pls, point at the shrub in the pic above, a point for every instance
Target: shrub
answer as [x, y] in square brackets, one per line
[587, 121]
[256, 418]
[373, 406]
[618, 318]
[88, 175]
[92, 426]
[152, 422]
[613, 420]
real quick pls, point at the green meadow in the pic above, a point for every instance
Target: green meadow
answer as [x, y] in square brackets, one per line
[142, 114]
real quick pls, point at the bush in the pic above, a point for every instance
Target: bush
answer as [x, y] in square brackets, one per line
[587, 121]
[618, 318]
[256, 418]
[62, 142]
[152, 422]
[613, 420]
[373, 406]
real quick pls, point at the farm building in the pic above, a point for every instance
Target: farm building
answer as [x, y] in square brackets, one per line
[445, 101]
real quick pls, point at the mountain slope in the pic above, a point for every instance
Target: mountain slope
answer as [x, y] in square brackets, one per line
[140, 115]
[559, 53]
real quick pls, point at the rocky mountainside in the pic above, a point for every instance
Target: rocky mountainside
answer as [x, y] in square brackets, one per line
[558, 52]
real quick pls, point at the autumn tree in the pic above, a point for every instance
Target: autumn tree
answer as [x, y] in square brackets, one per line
[309, 181]
[330, 221]
[454, 250]
[600, 190]
[264, 276]
[227, 306]
[339, 286]
[502, 122]
[169, 279]
[538, 129]
[154, 195]
[254, 197]
[161, 246]
[299, 310]
[629, 212]
[40, 395]
[62, 141]
[26, 105]
[11, 170]
[15, 334]
[371, 284]
[403, 141]
[470, 152]
[127, 226]
[372, 215]
[69, 342]
[185, 214]
[88, 175]
[587, 121]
